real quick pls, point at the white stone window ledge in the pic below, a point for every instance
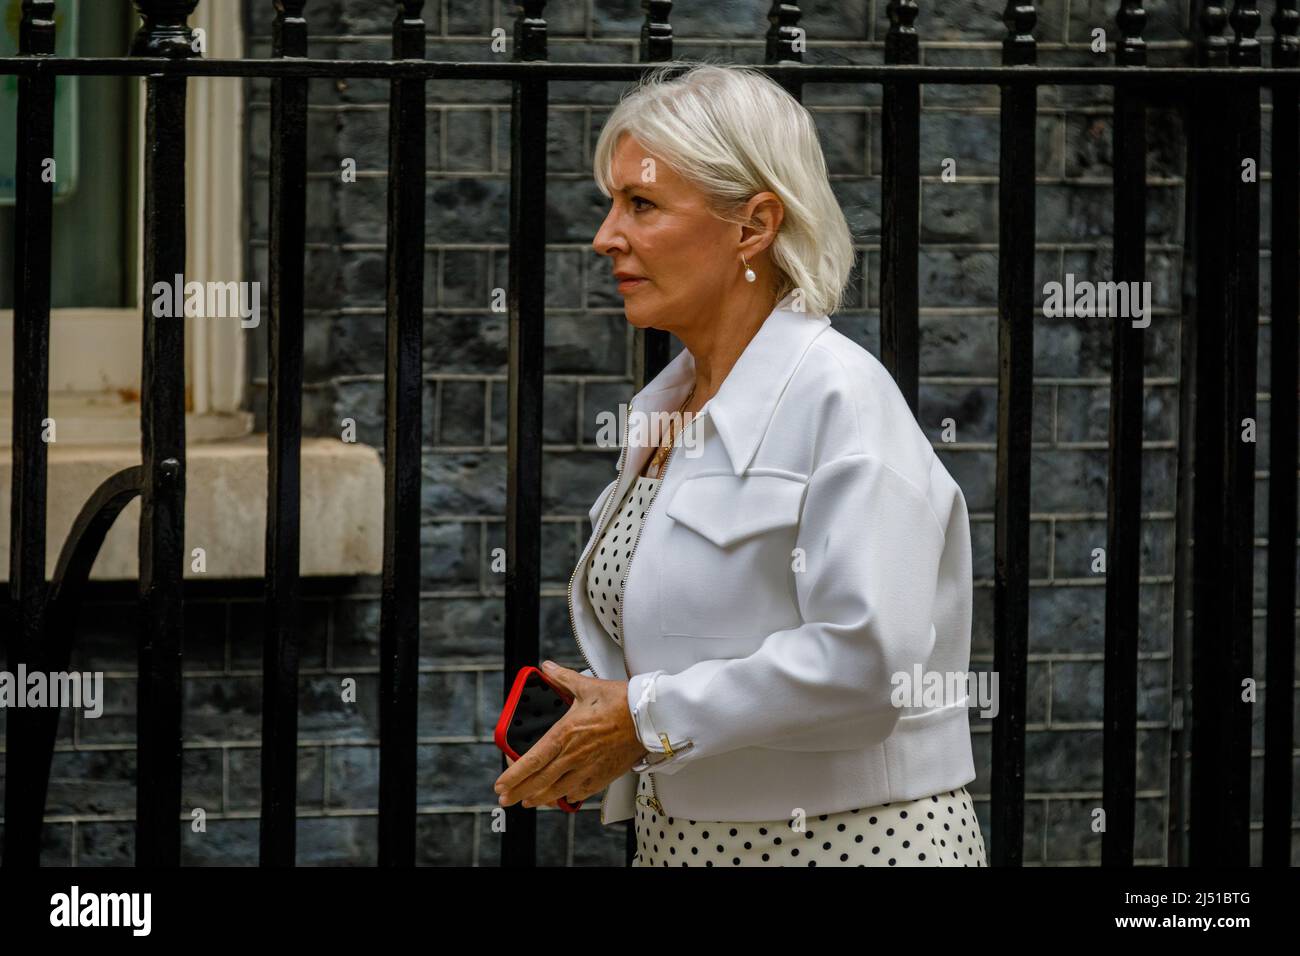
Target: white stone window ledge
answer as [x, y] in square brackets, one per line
[342, 506]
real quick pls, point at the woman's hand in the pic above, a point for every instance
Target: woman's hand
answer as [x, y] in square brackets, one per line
[594, 743]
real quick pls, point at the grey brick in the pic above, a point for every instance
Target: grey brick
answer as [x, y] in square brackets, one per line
[595, 844]
[98, 843]
[468, 140]
[460, 630]
[982, 555]
[565, 151]
[91, 782]
[447, 703]
[462, 342]
[559, 398]
[1083, 413]
[445, 839]
[953, 277]
[248, 633]
[843, 136]
[352, 774]
[244, 776]
[974, 411]
[117, 724]
[1078, 689]
[201, 779]
[338, 841]
[466, 275]
[224, 843]
[449, 554]
[461, 412]
[959, 344]
[106, 633]
[458, 773]
[557, 553]
[222, 708]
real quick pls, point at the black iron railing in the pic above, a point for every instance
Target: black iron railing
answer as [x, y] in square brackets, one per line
[1220, 96]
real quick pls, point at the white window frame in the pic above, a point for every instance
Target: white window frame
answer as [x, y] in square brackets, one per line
[95, 353]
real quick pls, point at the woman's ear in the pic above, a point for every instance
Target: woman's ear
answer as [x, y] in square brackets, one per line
[764, 214]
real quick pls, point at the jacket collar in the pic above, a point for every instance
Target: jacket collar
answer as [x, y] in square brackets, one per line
[743, 407]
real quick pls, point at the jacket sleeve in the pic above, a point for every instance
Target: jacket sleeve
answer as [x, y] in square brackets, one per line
[871, 547]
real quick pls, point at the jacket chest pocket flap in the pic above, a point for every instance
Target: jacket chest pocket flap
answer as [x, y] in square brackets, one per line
[741, 591]
[726, 509]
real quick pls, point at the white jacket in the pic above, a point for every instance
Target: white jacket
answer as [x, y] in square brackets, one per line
[804, 548]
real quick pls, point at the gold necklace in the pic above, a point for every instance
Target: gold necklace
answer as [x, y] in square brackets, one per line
[662, 451]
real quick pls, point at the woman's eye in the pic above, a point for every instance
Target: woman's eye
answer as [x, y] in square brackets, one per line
[638, 199]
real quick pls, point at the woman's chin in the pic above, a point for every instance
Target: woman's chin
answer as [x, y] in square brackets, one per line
[642, 318]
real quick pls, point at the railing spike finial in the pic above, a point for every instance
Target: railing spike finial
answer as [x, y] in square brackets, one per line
[530, 30]
[164, 29]
[36, 29]
[1245, 49]
[1019, 48]
[1212, 49]
[656, 31]
[1286, 34]
[901, 42]
[408, 30]
[1131, 18]
[289, 29]
[784, 43]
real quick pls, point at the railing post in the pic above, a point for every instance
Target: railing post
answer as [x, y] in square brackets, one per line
[651, 345]
[785, 41]
[288, 182]
[526, 299]
[656, 31]
[164, 33]
[34, 213]
[1241, 360]
[1124, 482]
[399, 642]
[1016, 191]
[1224, 137]
[1279, 666]
[900, 200]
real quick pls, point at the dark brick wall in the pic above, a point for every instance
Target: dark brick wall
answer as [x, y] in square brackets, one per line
[588, 366]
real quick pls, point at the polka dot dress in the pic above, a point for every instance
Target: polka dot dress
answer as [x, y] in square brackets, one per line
[607, 569]
[939, 830]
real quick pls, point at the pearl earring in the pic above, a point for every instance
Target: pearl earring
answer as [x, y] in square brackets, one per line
[749, 273]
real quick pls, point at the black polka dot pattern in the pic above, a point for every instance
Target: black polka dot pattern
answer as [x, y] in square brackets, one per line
[607, 568]
[939, 830]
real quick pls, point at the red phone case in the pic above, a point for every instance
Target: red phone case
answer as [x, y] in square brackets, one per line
[508, 712]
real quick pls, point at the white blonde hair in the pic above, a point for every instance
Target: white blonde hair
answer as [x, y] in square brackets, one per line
[733, 132]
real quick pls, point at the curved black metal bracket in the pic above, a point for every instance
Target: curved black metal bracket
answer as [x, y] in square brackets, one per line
[32, 733]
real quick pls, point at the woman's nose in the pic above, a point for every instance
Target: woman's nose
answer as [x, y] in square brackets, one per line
[608, 238]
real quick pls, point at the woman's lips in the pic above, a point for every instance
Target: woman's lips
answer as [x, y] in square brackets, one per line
[627, 285]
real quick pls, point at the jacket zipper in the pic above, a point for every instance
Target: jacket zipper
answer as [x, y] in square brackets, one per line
[600, 521]
[663, 474]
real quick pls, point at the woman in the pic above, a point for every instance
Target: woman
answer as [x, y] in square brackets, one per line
[766, 582]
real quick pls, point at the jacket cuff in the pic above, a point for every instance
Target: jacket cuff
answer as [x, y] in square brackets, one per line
[658, 741]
